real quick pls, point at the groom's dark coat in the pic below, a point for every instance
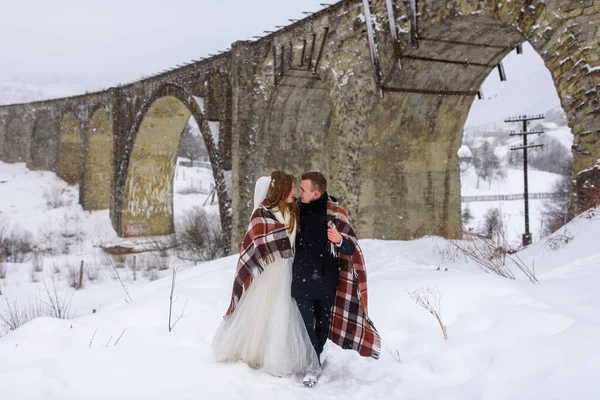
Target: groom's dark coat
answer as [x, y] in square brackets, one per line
[315, 271]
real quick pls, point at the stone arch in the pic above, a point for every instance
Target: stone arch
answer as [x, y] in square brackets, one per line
[3, 127]
[44, 142]
[17, 140]
[417, 127]
[145, 201]
[68, 157]
[216, 91]
[97, 164]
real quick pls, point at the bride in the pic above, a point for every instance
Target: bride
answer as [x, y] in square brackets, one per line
[263, 326]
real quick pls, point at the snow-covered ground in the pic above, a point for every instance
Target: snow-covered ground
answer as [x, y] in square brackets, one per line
[507, 339]
[539, 182]
[512, 211]
[25, 197]
[69, 235]
[192, 185]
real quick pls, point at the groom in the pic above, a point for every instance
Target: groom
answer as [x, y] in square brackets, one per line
[329, 279]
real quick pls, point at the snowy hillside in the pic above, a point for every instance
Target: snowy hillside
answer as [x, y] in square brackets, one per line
[507, 338]
[557, 140]
[18, 91]
[39, 206]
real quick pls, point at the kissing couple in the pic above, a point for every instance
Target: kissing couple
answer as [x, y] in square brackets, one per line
[300, 279]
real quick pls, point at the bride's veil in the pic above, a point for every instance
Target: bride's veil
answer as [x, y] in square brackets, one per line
[260, 190]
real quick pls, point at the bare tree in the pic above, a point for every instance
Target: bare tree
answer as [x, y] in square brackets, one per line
[554, 157]
[467, 215]
[556, 210]
[492, 224]
[192, 145]
[486, 163]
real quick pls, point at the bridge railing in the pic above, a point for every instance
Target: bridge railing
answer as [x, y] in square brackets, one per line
[500, 197]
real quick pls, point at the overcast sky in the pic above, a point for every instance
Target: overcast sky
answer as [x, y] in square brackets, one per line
[528, 89]
[97, 44]
[105, 42]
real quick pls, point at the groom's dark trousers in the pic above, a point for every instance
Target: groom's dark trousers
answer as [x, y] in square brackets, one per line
[316, 271]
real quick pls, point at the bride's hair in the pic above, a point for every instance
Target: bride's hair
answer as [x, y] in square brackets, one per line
[279, 189]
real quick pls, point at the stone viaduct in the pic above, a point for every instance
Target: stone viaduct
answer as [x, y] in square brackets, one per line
[381, 115]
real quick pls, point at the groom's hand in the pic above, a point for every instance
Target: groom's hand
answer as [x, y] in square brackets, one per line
[333, 235]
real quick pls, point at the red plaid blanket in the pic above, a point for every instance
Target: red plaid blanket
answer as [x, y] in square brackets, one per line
[351, 327]
[265, 237]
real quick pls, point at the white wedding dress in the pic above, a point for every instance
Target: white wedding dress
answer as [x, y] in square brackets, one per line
[266, 329]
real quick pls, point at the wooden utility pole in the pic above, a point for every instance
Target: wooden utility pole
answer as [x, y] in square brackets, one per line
[527, 240]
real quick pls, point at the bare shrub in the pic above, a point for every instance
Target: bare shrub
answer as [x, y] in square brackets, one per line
[54, 195]
[448, 252]
[171, 302]
[192, 190]
[134, 266]
[529, 273]
[37, 261]
[151, 263]
[151, 273]
[556, 210]
[67, 232]
[33, 275]
[3, 237]
[467, 215]
[430, 298]
[395, 355]
[16, 245]
[200, 233]
[75, 276]
[92, 272]
[47, 240]
[160, 249]
[56, 269]
[117, 276]
[52, 304]
[557, 241]
[160, 262]
[492, 224]
[15, 315]
[58, 306]
[78, 229]
[491, 257]
[120, 260]
[5, 248]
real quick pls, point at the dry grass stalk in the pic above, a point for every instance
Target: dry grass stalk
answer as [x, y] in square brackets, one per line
[429, 298]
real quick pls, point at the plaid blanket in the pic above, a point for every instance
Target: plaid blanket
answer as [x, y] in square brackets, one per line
[351, 327]
[265, 237]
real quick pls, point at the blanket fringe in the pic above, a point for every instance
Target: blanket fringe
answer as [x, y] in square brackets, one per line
[266, 260]
[270, 258]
